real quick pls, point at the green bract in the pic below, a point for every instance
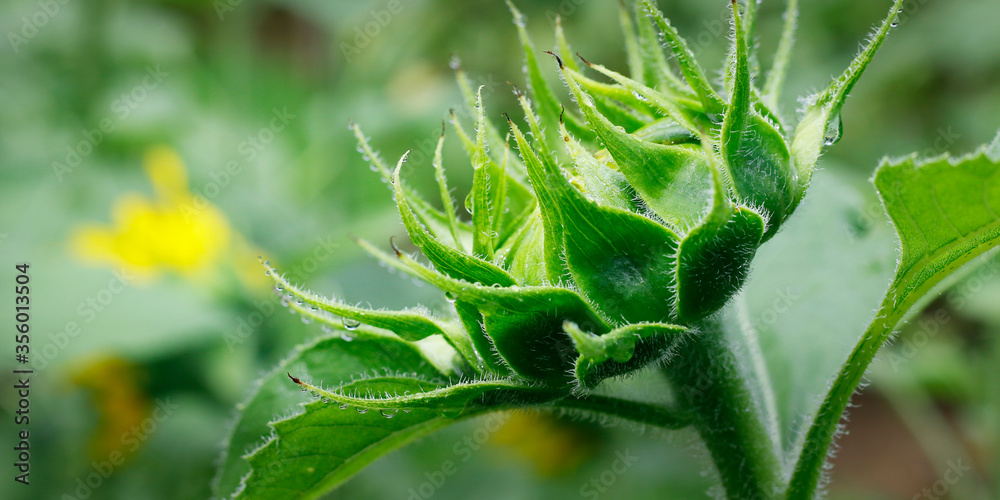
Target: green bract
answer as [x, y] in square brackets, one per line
[604, 237]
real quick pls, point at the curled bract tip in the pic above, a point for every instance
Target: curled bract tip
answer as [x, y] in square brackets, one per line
[392, 243]
[558, 59]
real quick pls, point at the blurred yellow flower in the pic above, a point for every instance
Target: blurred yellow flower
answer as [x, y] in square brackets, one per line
[176, 231]
[555, 446]
[122, 406]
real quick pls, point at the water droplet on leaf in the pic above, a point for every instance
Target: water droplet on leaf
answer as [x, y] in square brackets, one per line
[834, 132]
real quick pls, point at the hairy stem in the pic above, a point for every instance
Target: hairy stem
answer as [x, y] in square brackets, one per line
[708, 380]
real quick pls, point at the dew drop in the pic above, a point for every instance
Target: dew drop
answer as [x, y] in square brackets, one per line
[469, 203]
[306, 319]
[407, 410]
[450, 297]
[347, 336]
[834, 132]
[351, 324]
[344, 406]
[449, 412]
[388, 413]
[362, 410]
[267, 272]
[894, 23]
[326, 329]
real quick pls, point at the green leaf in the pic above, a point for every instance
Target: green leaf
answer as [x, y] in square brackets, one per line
[692, 71]
[622, 261]
[522, 252]
[483, 193]
[540, 142]
[573, 122]
[637, 59]
[756, 156]
[515, 199]
[658, 100]
[620, 351]
[656, 71]
[472, 108]
[439, 224]
[409, 325]
[993, 150]
[714, 258]
[524, 324]
[782, 55]
[599, 181]
[945, 211]
[823, 109]
[449, 204]
[548, 201]
[389, 394]
[470, 340]
[448, 260]
[671, 179]
[288, 458]
[610, 93]
[548, 105]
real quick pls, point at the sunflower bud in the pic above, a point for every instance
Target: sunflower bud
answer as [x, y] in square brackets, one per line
[614, 227]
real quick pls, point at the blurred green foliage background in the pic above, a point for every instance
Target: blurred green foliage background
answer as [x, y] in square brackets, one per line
[254, 96]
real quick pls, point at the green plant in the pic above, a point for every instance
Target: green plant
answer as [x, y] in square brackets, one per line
[615, 241]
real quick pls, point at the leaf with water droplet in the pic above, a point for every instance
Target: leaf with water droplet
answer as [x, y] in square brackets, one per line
[410, 325]
[811, 134]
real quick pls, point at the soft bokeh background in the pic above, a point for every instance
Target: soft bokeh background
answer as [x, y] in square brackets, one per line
[145, 328]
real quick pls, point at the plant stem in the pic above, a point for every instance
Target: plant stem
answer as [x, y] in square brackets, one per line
[708, 380]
